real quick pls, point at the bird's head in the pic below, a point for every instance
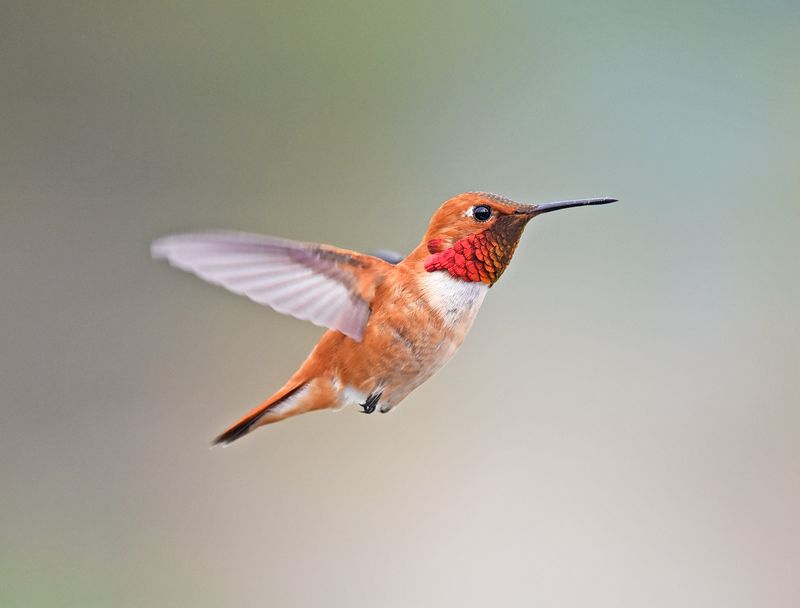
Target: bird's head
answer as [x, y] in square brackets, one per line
[473, 235]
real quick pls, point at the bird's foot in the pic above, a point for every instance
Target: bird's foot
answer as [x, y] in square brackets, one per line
[369, 405]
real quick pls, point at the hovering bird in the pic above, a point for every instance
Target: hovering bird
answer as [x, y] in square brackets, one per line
[392, 323]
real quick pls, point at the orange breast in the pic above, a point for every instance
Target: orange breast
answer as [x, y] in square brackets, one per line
[418, 321]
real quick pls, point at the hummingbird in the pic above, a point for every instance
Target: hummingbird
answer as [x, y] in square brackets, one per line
[391, 322]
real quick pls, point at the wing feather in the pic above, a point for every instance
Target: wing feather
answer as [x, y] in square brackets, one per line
[328, 286]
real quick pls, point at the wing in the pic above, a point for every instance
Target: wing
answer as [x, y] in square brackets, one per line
[328, 286]
[387, 255]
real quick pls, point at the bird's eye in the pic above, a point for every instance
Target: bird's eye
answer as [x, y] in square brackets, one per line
[481, 213]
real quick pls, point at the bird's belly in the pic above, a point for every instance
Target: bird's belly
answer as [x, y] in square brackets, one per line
[400, 366]
[423, 368]
[413, 338]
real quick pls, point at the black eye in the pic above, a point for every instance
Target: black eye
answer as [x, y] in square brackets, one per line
[481, 213]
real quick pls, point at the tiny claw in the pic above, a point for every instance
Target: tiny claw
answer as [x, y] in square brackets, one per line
[371, 403]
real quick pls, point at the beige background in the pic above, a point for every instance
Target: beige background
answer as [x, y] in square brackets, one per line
[621, 427]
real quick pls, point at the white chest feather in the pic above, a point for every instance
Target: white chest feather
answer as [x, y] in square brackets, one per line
[456, 301]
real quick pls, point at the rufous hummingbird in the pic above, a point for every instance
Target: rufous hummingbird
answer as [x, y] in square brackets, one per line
[391, 323]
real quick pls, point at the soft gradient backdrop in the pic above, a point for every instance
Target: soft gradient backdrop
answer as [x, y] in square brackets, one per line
[622, 426]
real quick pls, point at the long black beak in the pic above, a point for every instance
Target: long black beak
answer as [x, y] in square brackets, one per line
[547, 207]
[555, 206]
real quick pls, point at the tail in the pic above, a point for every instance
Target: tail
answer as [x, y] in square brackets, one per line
[292, 399]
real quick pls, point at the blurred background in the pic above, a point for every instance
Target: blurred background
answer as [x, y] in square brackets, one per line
[619, 429]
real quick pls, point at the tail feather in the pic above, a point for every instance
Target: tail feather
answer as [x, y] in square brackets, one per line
[252, 420]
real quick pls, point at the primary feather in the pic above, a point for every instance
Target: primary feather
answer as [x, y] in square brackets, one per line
[312, 282]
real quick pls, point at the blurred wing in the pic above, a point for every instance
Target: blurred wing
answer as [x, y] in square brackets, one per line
[328, 286]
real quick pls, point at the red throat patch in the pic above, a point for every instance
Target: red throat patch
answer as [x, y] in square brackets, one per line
[479, 257]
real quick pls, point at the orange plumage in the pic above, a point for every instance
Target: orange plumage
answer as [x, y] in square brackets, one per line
[391, 326]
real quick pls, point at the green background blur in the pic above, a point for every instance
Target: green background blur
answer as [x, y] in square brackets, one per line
[621, 427]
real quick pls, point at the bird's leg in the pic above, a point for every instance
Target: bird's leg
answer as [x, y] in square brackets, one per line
[372, 401]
